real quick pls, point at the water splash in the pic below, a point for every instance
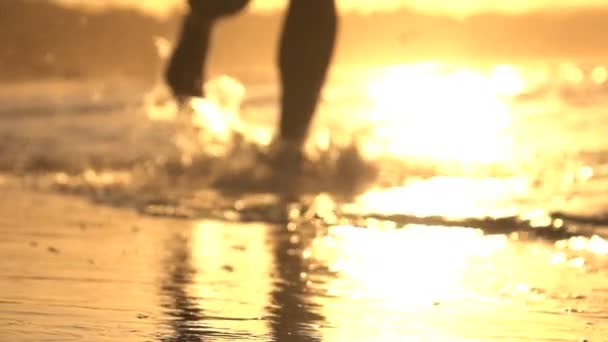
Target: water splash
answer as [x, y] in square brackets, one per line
[474, 170]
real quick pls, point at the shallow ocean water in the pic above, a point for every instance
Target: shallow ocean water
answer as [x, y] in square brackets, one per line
[438, 203]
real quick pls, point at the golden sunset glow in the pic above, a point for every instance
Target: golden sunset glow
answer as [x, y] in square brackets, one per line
[431, 111]
[454, 197]
[416, 265]
[595, 244]
[224, 260]
[457, 8]
[304, 170]
[599, 75]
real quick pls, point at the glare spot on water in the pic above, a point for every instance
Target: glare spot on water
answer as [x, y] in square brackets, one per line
[578, 243]
[577, 262]
[558, 223]
[444, 196]
[414, 265]
[595, 244]
[599, 75]
[598, 245]
[507, 80]
[558, 258]
[538, 218]
[522, 288]
[571, 73]
[307, 254]
[429, 111]
[584, 173]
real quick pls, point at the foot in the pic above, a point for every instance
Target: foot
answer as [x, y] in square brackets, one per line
[286, 160]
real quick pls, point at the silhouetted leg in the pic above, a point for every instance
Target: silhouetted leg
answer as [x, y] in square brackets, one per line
[185, 72]
[306, 49]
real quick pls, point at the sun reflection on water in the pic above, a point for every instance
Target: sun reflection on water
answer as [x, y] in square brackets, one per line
[414, 265]
[435, 112]
[595, 244]
[224, 259]
[452, 197]
[411, 280]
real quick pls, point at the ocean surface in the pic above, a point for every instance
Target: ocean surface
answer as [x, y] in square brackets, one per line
[437, 202]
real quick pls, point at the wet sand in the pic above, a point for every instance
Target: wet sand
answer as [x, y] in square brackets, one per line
[71, 270]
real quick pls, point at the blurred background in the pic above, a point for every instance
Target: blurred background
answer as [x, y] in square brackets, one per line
[84, 39]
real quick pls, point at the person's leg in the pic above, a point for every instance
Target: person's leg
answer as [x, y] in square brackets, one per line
[306, 48]
[184, 73]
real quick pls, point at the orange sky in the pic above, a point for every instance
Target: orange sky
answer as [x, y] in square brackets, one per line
[450, 7]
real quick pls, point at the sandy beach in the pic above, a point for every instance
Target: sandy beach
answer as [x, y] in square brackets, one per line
[71, 270]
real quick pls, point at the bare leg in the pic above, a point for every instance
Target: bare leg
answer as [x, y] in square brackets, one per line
[306, 49]
[185, 72]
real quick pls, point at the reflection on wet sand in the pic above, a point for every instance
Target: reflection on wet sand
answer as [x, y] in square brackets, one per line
[212, 292]
[136, 278]
[209, 291]
[451, 284]
[295, 317]
[187, 318]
